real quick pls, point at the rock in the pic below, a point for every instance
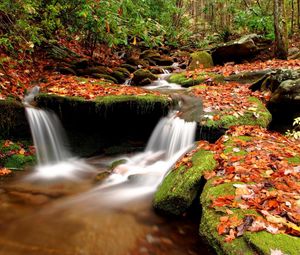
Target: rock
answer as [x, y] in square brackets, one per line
[272, 79]
[92, 70]
[163, 60]
[101, 176]
[121, 74]
[65, 70]
[288, 92]
[285, 101]
[200, 59]
[105, 77]
[180, 187]
[121, 77]
[130, 68]
[143, 77]
[245, 48]
[137, 62]
[149, 54]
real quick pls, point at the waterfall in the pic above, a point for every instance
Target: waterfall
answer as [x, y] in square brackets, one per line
[141, 174]
[54, 159]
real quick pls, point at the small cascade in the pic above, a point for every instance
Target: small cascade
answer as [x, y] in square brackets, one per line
[127, 82]
[142, 173]
[47, 135]
[54, 159]
[163, 84]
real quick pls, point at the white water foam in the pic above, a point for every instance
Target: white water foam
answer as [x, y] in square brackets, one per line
[54, 159]
[142, 173]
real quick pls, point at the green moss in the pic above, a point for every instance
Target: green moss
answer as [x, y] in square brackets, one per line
[210, 220]
[181, 78]
[180, 187]
[260, 116]
[294, 160]
[117, 163]
[200, 59]
[264, 242]
[19, 161]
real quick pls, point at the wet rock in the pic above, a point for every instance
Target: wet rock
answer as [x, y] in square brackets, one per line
[101, 176]
[163, 60]
[273, 78]
[130, 68]
[245, 48]
[92, 70]
[143, 77]
[200, 59]
[137, 62]
[285, 101]
[105, 77]
[180, 187]
[65, 70]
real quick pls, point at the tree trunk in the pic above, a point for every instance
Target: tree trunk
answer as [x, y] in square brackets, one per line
[292, 18]
[280, 27]
[298, 13]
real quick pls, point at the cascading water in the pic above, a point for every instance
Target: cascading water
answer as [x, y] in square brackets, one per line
[142, 173]
[54, 159]
[163, 84]
[47, 136]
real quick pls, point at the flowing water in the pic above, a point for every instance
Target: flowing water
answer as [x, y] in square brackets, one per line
[54, 158]
[49, 213]
[61, 217]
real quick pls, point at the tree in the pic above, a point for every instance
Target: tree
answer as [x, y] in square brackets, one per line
[280, 29]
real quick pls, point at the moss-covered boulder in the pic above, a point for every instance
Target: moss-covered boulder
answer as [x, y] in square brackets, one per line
[143, 77]
[93, 125]
[243, 203]
[181, 186]
[192, 79]
[200, 59]
[231, 104]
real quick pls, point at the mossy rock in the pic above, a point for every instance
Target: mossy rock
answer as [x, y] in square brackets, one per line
[256, 115]
[210, 220]
[200, 59]
[18, 162]
[120, 76]
[106, 77]
[130, 68]
[180, 187]
[184, 81]
[140, 75]
[250, 243]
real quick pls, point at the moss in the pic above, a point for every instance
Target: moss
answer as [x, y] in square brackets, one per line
[294, 160]
[261, 117]
[140, 103]
[264, 242]
[200, 59]
[117, 163]
[180, 187]
[183, 80]
[18, 162]
[210, 220]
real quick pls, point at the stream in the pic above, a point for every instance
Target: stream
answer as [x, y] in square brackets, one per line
[46, 212]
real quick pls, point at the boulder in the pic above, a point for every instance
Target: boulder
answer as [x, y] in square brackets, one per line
[240, 50]
[285, 101]
[273, 78]
[200, 59]
[143, 77]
